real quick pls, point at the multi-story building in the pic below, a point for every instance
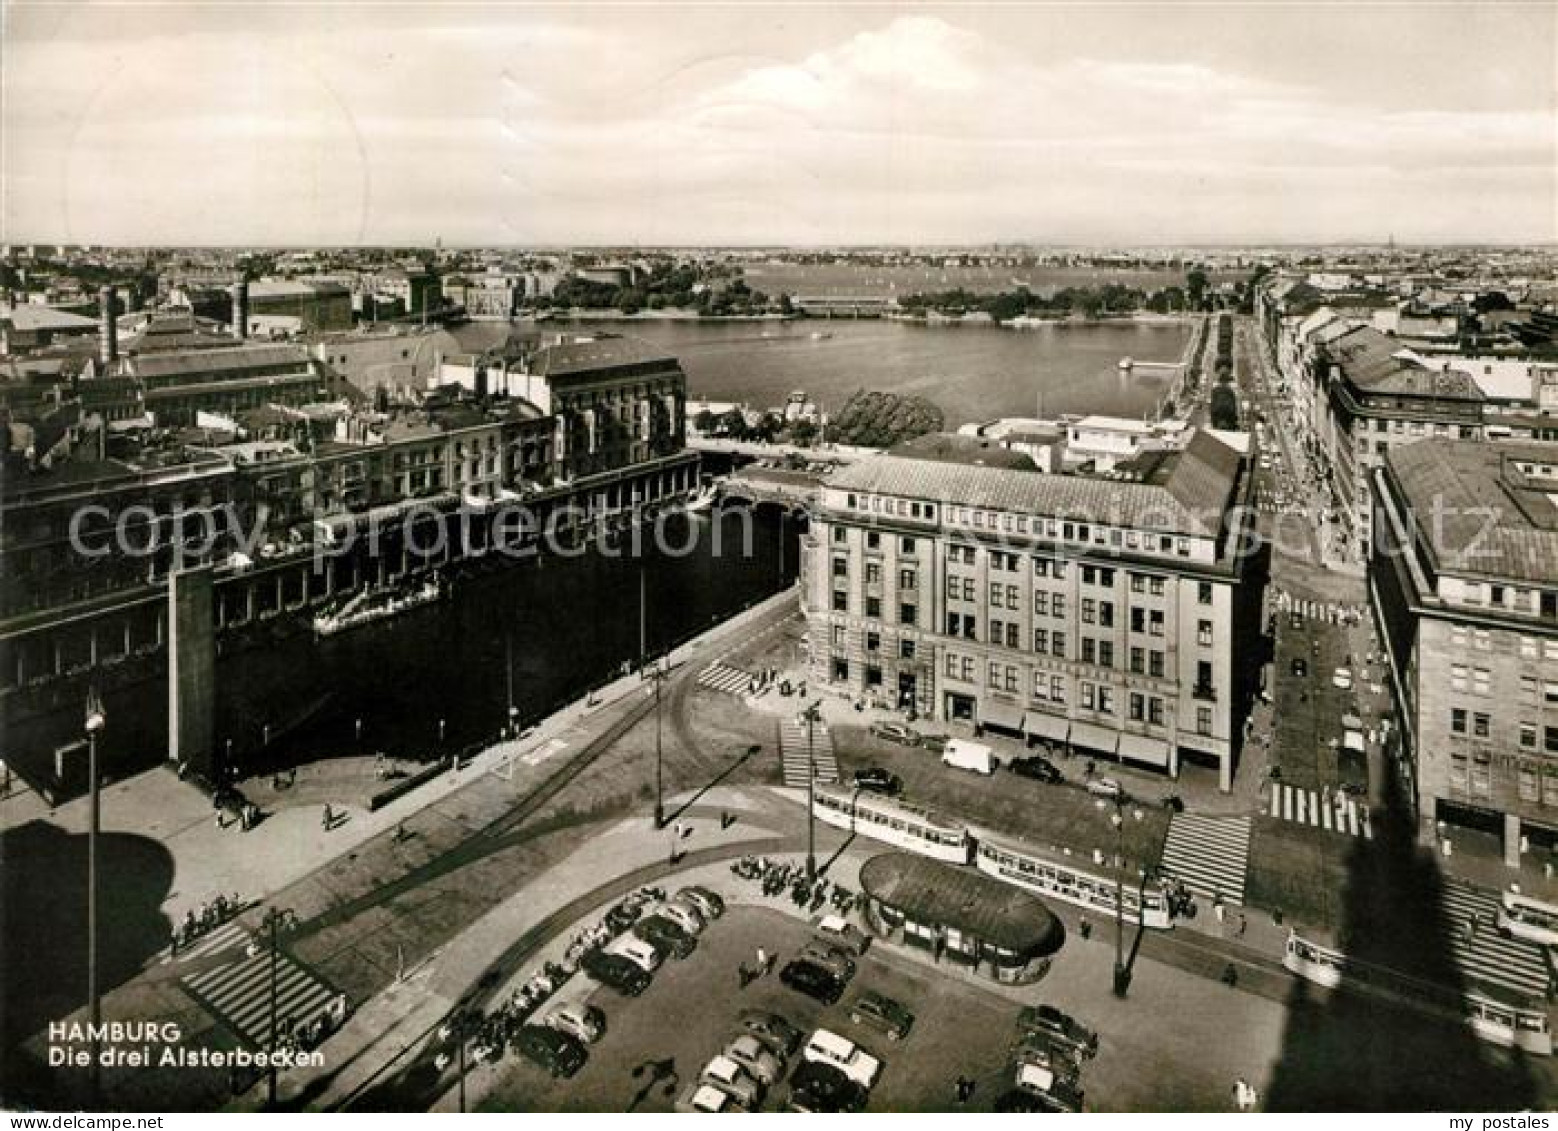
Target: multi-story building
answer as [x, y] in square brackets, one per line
[182, 383]
[1464, 586]
[1112, 614]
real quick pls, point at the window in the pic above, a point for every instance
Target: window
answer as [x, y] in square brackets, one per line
[1089, 611]
[968, 589]
[906, 546]
[1527, 783]
[1528, 688]
[996, 635]
[908, 614]
[1011, 678]
[840, 668]
[1057, 644]
[995, 594]
[840, 601]
[1550, 739]
[1040, 567]
[1040, 603]
[1483, 639]
[1480, 681]
[839, 534]
[1155, 710]
[1204, 633]
[1155, 664]
[1457, 720]
[1106, 701]
[1138, 583]
[954, 587]
[873, 642]
[1089, 650]
[1155, 622]
[838, 636]
[873, 676]
[1528, 648]
[873, 573]
[1479, 725]
[1057, 605]
[1528, 736]
[968, 669]
[906, 579]
[995, 675]
[1550, 693]
[1138, 619]
[840, 567]
[1012, 628]
[1203, 720]
[1204, 688]
[1155, 586]
[1057, 688]
[873, 606]
[1013, 597]
[1457, 677]
[873, 540]
[1106, 613]
[1041, 640]
[1105, 654]
[1204, 593]
[906, 649]
[952, 666]
[1137, 708]
[1138, 661]
[1088, 696]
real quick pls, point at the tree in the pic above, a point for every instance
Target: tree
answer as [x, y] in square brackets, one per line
[703, 421]
[1225, 408]
[733, 424]
[802, 433]
[1195, 284]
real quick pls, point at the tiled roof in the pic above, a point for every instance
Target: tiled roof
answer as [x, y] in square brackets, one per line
[1477, 512]
[602, 353]
[218, 360]
[31, 317]
[1376, 363]
[1188, 495]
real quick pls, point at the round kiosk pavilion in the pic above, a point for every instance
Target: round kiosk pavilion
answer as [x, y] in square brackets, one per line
[960, 916]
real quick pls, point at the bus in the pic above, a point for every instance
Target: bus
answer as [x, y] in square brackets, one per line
[1522, 917]
[898, 823]
[1026, 867]
[1496, 1022]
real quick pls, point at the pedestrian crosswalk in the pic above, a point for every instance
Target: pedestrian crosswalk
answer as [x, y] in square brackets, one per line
[1486, 957]
[238, 994]
[1337, 811]
[225, 937]
[721, 676]
[794, 756]
[1210, 855]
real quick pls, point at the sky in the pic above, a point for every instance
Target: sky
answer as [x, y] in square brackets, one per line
[795, 123]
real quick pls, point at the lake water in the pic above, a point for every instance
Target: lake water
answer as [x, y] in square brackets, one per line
[972, 372]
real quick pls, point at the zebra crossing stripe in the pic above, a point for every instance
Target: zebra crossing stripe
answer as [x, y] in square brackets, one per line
[1342, 814]
[1210, 855]
[239, 994]
[225, 936]
[720, 676]
[1486, 955]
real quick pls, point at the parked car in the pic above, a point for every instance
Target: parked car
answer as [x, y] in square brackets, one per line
[823, 1088]
[842, 1053]
[883, 1013]
[708, 903]
[636, 949]
[559, 1053]
[615, 972]
[1046, 1020]
[701, 1097]
[833, 959]
[684, 914]
[1342, 678]
[1052, 1053]
[668, 936]
[1105, 787]
[757, 1058]
[935, 743]
[896, 732]
[585, 1022]
[812, 980]
[878, 780]
[1037, 767]
[961, 754]
[1020, 1100]
[1300, 666]
[772, 1029]
[1055, 1093]
[728, 1076]
[839, 932]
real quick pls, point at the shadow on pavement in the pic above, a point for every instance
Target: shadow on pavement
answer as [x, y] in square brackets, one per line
[1347, 1049]
[43, 925]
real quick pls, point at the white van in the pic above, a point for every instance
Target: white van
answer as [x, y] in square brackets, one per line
[642, 953]
[827, 1047]
[962, 754]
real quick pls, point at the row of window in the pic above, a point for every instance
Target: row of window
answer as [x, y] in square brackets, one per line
[1035, 525]
[873, 540]
[1529, 647]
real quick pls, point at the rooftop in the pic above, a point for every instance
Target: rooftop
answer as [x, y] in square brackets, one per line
[218, 360]
[930, 891]
[1483, 509]
[1185, 492]
[599, 353]
[33, 317]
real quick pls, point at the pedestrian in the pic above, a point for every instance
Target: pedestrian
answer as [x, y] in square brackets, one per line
[1230, 976]
[221, 820]
[1547, 870]
[1243, 923]
[328, 818]
[762, 959]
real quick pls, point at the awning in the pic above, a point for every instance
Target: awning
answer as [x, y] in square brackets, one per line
[1144, 748]
[994, 713]
[1094, 737]
[1052, 727]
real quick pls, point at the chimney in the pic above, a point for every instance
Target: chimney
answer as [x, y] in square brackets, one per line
[107, 326]
[240, 318]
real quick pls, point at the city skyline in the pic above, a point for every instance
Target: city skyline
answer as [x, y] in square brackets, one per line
[763, 125]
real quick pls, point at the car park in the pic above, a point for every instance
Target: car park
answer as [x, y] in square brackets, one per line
[708, 903]
[880, 1012]
[728, 1076]
[895, 732]
[818, 1087]
[583, 1022]
[1036, 767]
[842, 1053]
[773, 1030]
[831, 958]
[1105, 787]
[559, 1053]
[701, 1097]
[879, 780]
[1047, 1021]
[756, 1058]
[659, 931]
[840, 932]
[684, 915]
[616, 972]
[812, 980]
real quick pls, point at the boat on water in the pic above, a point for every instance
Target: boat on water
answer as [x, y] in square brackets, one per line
[821, 335]
[376, 605]
[1126, 363]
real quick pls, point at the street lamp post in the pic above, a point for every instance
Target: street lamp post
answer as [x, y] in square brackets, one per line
[96, 720]
[276, 918]
[1122, 976]
[658, 675]
[811, 715]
